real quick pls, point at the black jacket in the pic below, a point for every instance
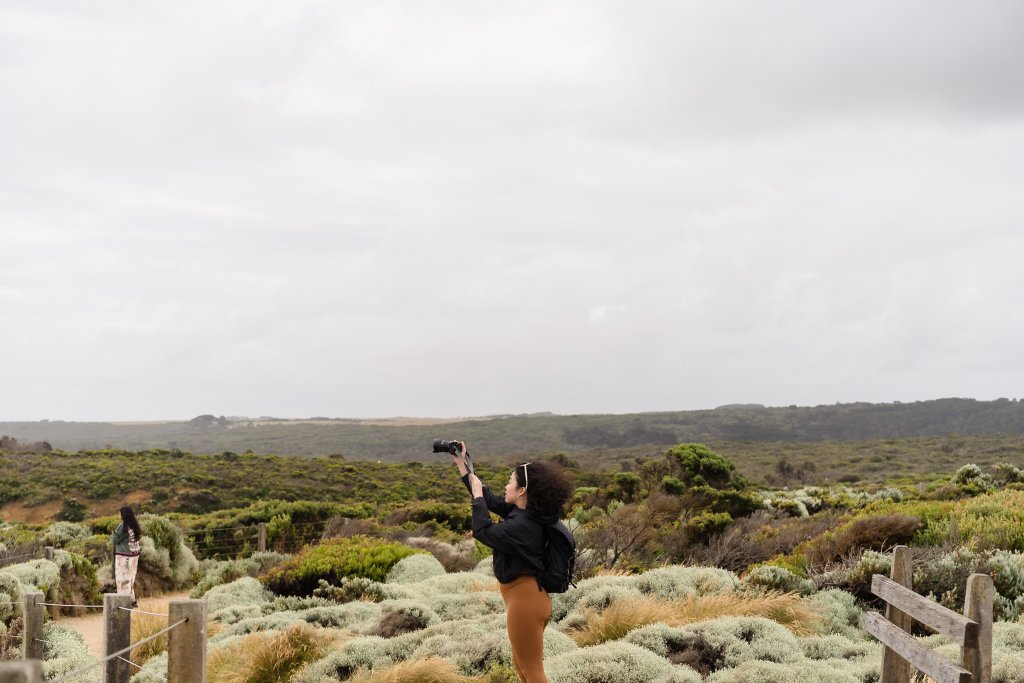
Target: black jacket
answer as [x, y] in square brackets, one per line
[518, 541]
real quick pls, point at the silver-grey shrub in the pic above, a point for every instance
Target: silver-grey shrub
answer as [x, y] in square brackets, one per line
[665, 583]
[64, 652]
[415, 568]
[468, 605]
[840, 614]
[838, 647]
[10, 596]
[365, 652]
[60, 534]
[613, 662]
[804, 671]
[244, 591]
[41, 574]
[770, 577]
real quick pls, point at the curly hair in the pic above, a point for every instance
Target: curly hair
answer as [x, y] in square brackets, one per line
[548, 489]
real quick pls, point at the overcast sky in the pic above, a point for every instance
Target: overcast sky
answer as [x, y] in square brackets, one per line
[464, 208]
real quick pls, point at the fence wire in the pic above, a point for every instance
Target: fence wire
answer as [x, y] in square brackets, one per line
[79, 672]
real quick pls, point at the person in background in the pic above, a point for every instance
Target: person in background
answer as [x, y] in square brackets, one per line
[127, 539]
[535, 496]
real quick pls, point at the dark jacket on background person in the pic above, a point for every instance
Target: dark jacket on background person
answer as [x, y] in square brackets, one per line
[518, 541]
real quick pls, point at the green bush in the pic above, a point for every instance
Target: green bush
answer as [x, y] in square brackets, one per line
[334, 560]
[696, 464]
[703, 526]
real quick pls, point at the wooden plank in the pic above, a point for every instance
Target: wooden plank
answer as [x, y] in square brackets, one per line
[930, 613]
[903, 644]
[895, 669]
[977, 655]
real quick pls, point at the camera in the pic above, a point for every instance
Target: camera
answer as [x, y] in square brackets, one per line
[442, 446]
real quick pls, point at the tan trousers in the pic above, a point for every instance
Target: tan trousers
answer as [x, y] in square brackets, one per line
[528, 611]
[125, 568]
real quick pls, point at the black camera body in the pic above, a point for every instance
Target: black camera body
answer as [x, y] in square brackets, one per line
[443, 446]
[454, 447]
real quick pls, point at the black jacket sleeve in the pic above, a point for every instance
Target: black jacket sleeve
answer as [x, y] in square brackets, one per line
[494, 504]
[518, 536]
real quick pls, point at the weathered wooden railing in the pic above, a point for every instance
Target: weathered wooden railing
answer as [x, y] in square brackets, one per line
[186, 642]
[972, 630]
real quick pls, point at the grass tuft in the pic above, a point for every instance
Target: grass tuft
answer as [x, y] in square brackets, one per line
[428, 670]
[622, 616]
[267, 657]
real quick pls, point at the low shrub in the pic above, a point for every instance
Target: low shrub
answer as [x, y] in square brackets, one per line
[623, 616]
[873, 532]
[617, 662]
[62, 534]
[768, 577]
[333, 560]
[414, 568]
[64, 652]
[244, 591]
[452, 516]
[427, 670]
[402, 616]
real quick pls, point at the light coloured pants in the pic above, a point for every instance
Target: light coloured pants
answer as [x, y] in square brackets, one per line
[125, 568]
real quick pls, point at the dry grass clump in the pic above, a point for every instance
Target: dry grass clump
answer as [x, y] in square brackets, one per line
[267, 657]
[145, 625]
[874, 533]
[427, 670]
[622, 616]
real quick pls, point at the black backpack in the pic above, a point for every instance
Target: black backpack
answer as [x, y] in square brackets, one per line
[559, 559]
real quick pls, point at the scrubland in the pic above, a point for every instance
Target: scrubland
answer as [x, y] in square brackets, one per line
[687, 572]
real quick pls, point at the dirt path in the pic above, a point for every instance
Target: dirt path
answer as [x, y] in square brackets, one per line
[91, 625]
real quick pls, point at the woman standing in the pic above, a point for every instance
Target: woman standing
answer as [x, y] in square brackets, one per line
[127, 539]
[534, 497]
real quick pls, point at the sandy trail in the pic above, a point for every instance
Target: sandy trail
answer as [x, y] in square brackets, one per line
[91, 625]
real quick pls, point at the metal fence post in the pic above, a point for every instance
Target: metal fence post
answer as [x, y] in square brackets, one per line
[977, 657]
[35, 613]
[26, 671]
[186, 644]
[117, 635]
[262, 543]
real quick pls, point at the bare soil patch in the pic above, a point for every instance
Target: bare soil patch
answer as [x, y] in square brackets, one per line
[91, 625]
[17, 511]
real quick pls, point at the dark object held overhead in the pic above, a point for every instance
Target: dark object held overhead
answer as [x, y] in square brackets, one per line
[453, 447]
[442, 446]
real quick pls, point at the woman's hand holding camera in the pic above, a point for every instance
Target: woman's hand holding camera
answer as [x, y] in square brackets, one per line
[459, 458]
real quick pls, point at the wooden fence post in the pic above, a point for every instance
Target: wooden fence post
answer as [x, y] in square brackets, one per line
[34, 614]
[48, 555]
[261, 546]
[977, 658]
[26, 671]
[186, 644]
[117, 635]
[895, 669]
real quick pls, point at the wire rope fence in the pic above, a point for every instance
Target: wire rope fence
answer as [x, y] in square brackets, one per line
[185, 631]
